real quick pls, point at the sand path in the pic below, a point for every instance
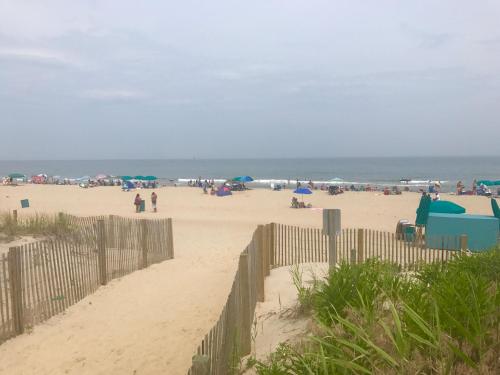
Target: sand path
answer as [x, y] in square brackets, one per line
[151, 321]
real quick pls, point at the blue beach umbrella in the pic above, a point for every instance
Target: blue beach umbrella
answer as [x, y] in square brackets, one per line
[243, 179]
[302, 191]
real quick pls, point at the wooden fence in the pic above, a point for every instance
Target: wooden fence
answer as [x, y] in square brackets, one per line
[295, 245]
[41, 279]
[276, 245]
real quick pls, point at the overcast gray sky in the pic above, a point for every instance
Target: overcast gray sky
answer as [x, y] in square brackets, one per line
[260, 78]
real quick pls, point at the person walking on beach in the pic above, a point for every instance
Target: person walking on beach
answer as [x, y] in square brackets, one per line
[154, 197]
[137, 203]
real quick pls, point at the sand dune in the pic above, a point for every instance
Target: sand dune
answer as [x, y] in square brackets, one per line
[151, 322]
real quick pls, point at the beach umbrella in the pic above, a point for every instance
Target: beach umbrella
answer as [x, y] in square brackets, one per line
[446, 207]
[139, 178]
[126, 178]
[150, 178]
[243, 179]
[335, 181]
[302, 191]
[17, 175]
[423, 210]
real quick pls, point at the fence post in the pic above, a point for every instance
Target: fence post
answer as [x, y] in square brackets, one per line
[361, 243]
[463, 242]
[267, 250]
[101, 252]
[201, 365]
[245, 335]
[170, 239]
[353, 256]
[15, 281]
[14, 216]
[260, 263]
[272, 246]
[144, 243]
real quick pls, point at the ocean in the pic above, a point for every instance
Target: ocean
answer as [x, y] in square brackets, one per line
[376, 170]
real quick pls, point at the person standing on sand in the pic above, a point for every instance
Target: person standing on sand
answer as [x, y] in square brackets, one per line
[154, 197]
[137, 203]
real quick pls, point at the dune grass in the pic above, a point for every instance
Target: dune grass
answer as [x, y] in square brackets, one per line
[372, 319]
[34, 225]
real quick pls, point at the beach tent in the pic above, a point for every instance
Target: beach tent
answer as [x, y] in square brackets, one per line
[17, 176]
[243, 179]
[423, 210]
[488, 182]
[223, 191]
[128, 185]
[446, 207]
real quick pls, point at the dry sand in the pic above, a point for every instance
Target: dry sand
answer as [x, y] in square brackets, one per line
[151, 321]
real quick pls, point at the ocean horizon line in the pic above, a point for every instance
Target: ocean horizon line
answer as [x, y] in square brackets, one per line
[262, 158]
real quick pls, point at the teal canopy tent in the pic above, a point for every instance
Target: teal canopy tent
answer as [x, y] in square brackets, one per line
[139, 178]
[17, 175]
[150, 178]
[446, 207]
[423, 210]
[488, 182]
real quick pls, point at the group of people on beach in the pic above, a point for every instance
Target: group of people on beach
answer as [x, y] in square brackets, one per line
[138, 202]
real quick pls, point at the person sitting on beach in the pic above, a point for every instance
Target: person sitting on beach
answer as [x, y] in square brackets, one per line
[137, 203]
[295, 202]
[460, 188]
[154, 198]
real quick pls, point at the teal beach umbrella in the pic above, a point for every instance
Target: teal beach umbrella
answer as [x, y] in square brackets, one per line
[150, 178]
[243, 179]
[423, 210]
[126, 178]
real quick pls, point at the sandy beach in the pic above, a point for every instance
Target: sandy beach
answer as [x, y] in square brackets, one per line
[151, 321]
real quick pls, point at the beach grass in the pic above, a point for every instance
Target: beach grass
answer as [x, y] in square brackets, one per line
[371, 318]
[34, 225]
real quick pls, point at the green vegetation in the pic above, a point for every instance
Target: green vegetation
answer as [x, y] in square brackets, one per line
[36, 225]
[372, 319]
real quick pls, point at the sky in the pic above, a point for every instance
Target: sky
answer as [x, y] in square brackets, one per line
[121, 79]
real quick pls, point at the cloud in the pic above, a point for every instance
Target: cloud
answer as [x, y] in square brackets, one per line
[111, 94]
[40, 56]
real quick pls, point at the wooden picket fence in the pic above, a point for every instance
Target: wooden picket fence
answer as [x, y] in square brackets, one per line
[41, 279]
[275, 245]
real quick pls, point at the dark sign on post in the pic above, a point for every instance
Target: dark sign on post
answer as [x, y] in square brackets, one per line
[25, 203]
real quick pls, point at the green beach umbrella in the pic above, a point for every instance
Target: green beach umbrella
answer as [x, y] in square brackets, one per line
[150, 178]
[126, 178]
[423, 210]
[139, 178]
[17, 175]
